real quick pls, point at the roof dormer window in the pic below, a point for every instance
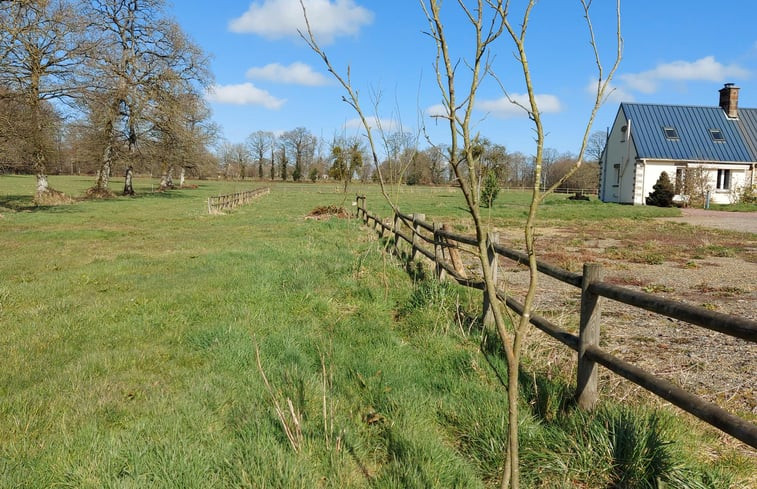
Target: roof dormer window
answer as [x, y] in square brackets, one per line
[671, 134]
[717, 135]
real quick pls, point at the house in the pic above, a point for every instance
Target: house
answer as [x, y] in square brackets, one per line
[709, 152]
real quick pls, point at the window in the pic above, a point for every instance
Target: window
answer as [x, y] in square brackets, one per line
[717, 135]
[671, 134]
[724, 180]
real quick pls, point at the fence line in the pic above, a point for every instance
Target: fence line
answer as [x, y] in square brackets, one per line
[586, 343]
[230, 201]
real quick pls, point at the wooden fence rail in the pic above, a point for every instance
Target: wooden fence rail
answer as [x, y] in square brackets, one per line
[586, 343]
[230, 201]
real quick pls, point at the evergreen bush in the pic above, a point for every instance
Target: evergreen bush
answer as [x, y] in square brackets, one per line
[662, 193]
[490, 189]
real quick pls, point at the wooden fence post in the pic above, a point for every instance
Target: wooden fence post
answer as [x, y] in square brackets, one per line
[491, 255]
[441, 273]
[588, 335]
[416, 233]
[396, 230]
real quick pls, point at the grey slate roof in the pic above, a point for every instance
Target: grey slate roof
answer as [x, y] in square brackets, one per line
[693, 125]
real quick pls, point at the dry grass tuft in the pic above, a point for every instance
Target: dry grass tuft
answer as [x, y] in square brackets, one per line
[328, 211]
[95, 193]
[52, 197]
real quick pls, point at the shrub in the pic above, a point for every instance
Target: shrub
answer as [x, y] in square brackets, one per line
[490, 189]
[748, 195]
[662, 193]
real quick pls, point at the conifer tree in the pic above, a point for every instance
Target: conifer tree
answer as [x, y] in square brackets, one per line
[662, 193]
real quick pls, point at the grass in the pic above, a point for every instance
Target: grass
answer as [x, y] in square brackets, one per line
[129, 334]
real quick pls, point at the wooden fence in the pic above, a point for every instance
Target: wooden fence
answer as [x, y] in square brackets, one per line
[593, 290]
[230, 201]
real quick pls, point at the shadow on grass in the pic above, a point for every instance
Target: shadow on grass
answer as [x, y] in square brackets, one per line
[25, 203]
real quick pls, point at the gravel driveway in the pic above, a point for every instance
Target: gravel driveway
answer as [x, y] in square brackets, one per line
[733, 221]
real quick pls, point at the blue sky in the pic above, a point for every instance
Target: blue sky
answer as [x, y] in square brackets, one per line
[266, 78]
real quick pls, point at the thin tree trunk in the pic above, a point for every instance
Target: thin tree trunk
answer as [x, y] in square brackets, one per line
[128, 188]
[103, 176]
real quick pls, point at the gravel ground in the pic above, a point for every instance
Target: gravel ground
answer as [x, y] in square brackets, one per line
[734, 221]
[714, 366]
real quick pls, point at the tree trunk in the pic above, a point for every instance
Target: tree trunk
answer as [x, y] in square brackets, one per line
[128, 188]
[42, 185]
[166, 181]
[182, 175]
[103, 176]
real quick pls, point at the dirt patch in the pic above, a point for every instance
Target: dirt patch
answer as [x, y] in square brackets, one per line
[703, 267]
[327, 212]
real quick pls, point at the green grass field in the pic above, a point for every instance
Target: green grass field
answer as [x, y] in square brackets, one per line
[128, 355]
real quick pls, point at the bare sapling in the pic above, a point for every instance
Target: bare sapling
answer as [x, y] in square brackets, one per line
[404, 151]
[489, 20]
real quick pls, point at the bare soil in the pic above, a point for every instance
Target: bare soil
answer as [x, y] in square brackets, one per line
[701, 266]
[327, 212]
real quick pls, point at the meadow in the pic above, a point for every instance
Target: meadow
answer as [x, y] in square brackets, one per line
[147, 343]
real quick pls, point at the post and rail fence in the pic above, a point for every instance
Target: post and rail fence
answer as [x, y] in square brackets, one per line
[230, 201]
[593, 291]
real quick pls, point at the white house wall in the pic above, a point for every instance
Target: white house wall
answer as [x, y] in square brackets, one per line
[650, 171]
[739, 179]
[618, 172]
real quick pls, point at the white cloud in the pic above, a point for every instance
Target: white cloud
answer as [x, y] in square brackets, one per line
[704, 69]
[437, 110]
[505, 108]
[276, 19]
[387, 125]
[613, 93]
[296, 73]
[243, 94]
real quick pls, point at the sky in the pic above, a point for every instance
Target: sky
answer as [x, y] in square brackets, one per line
[267, 78]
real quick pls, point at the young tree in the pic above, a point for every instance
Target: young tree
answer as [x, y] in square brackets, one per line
[284, 162]
[459, 116]
[273, 159]
[489, 189]
[488, 20]
[662, 192]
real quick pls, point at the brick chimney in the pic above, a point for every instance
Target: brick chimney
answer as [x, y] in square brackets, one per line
[729, 100]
